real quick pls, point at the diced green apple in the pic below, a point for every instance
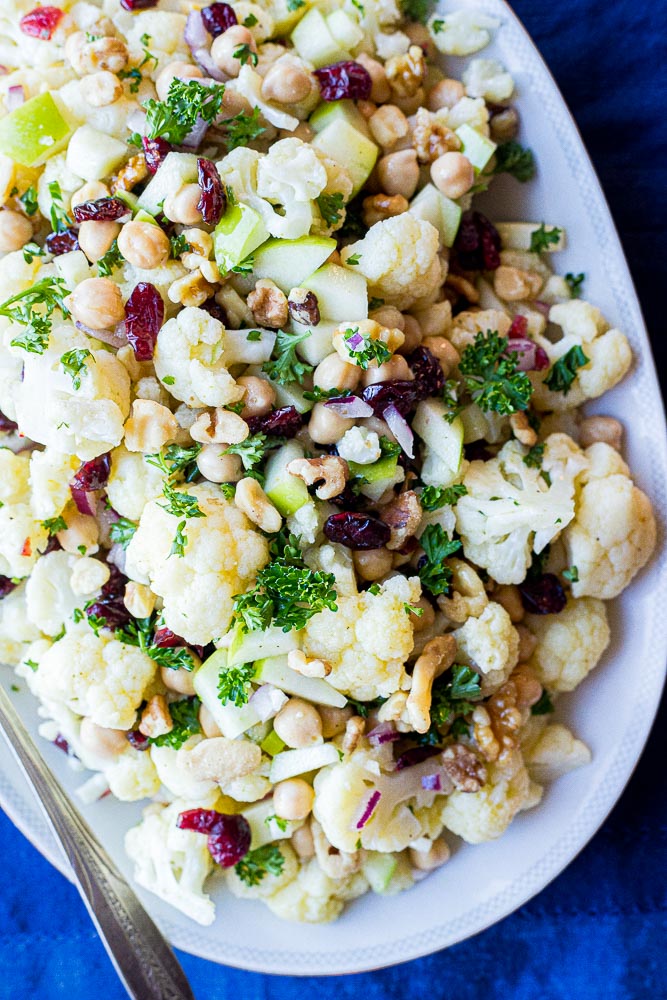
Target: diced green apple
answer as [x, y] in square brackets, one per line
[240, 231]
[379, 869]
[272, 744]
[285, 18]
[246, 647]
[73, 268]
[342, 294]
[93, 155]
[374, 490]
[292, 394]
[330, 111]
[263, 827]
[230, 719]
[176, 170]
[293, 762]
[274, 670]
[238, 349]
[316, 347]
[518, 235]
[286, 492]
[314, 42]
[344, 29]
[476, 147]
[143, 216]
[384, 468]
[288, 262]
[36, 130]
[436, 208]
[349, 147]
[132, 202]
[444, 439]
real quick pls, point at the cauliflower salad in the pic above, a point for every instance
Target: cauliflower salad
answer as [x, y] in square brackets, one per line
[302, 531]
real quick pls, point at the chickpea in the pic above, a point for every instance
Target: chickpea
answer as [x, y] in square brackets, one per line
[101, 89]
[367, 108]
[411, 103]
[389, 316]
[15, 230]
[179, 680]
[334, 373]
[302, 842]
[182, 205]
[217, 467]
[298, 724]
[175, 71]
[91, 191]
[144, 244]
[293, 798]
[226, 44]
[380, 89]
[388, 125]
[95, 238]
[286, 84]
[81, 534]
[435, 857]
[453, 174]
[413, 334]
[209, 727]
[101, 54]
[514, 284]
[509, 597]
[398, 173]
[445, 94]
[435, 318]
[372, 564]
[599, 428]
[259, 397]
[97, 303]
[101, 741]
[527, 643]
[444, 351]
[327, 427]
[396, 367]
[334, 720]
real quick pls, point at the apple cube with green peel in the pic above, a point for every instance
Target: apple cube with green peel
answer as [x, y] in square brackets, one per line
[143, 216]
[318, 346]
[291, 394]
[433, 206]
[240, 231]
[73, 268]
[263, 827]
[285, 19]
[274, 670]
[384, 468]
[518, 235]
[444, 439]
[314, 42]
[36, 130]
[288, 262]
[379, 869]
[477, 148]
[286, 492]
[272, 744]
[231, 720]
[344, 29]
[290, 763]
[342, 294]
[246, 647]
[349, 147]
[93, 155]
[132, 202]
[175, 170]
[330, 111]
[239, 350]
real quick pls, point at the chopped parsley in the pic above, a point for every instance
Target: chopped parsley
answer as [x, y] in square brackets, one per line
[29, 201]
[250, 21]
[134, 75]
[370, 350]
[353, 260]
[574, 282]
[179, 245]
[544, 706]
[316, 394]
[254, 335]
[434, 497]
[331, 207]
[562, 374]
[59, 218]
[112, 259]
[180, 504]
[490, 373]
[254, 449]
[278, 820]
[245, 55]
[179, 542]
[177, 460]
[54, 524]
[187, 101]
[416, 10]
[245, 266]
[74, 364]
[141, 631]
[542, 238]
[30, 251]
[512, 158]
[293, 5]
[434, 575]
[234, 684]
[22, 308]
[534, 457]
[122, 531]
[185, 717]
[454, 695]
[242, 129]
[258, 863]
[571, 574]
[286, 366]
[228, 490]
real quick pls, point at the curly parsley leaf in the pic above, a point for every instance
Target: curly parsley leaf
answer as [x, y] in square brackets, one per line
[140, 632]
[316, 394]
[574, 282]
[331, 207]
[32, 250]
[454, 695]
[179, 245]
[180, 504]
[29, 201]
[112, 259]
[278, 820]
[177, 460]
[267, 860]
[74, 364]
[234, 684]
[55, 524]
[187, 101]
[542, 238]
[286, 366]
[490, 373]
[434, 575]
[33, 309]
[363, 349]
[512, 158]
[534, 457]
[353, 259]
[122, 531]
[417, 10]
[245, 54]
[571, 574]
[562, 374]
[243, 128]
[544, 706]
[254, 449]
[185, 717]
[435, 497]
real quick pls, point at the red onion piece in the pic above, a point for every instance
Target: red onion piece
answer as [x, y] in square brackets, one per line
[349, 406]
[15, 98]
[416, 755]
[117, 556]
[383, 733]
[84, 501]
[431, 782]
[531, 357]
[400, 428]
[114, 338]
[195, 136]
[267, 701]
[355, 341]
[197, 39]
[542, 307]
[369, 810]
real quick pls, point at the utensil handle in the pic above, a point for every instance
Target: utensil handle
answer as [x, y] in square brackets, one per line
[144, 961]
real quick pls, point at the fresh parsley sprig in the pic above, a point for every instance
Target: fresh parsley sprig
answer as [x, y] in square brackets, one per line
[122, 531]
[491, 375]
[435, 497]
[243, 128]
[177, 460]
[185, 717]
[435, 576]
[562, 374]
[267, 860]
[112, 259]
[140, 632]
[187, 101]
[454, 695]
[370, 350]
[234, 684]
[254, 449]
[331, 207]
[286, 366]
[542, 238]
[74, 363]
[514, 159]
[33, 308]
[574, 283]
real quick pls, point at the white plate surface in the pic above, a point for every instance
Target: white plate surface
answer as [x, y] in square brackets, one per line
[612, 711]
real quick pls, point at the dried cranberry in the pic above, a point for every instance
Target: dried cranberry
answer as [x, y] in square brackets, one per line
[164, 638]
[144, 315]
[101, 210]
[304, 307]
[110, 604]
[41, 22]
[6, 586]
[215, 310]
[64, 242]
[137, 739]
[348, 499]
[415, 755]
[543, 595]
[7, 425]
[285, 422]
[155, 151]
[519, 327]
[138, 4]
[228, 835]
[477, 243]
[344, 79]
[403, 394]
[93, 475]
[427, 371]
[356, 530]
[213, 200]
[218, 17]
[61, 743]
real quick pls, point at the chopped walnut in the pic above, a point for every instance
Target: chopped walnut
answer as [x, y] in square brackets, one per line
[403, 516]
[431, 138]
[329, 470]
[378, 207]
[298, 661]
[467, 596]
[268, 305]
[522, 430]
[464, 767]
[354, 730]
[463, 287]
[438, 656]
[394, 710]
[303, 307]
[496, 724]
[191, 290]
[134, 172]
[219, 426]
[156, 718]
[406, 73]
[334, 863]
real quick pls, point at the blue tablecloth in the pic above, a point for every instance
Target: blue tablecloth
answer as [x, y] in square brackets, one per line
[598, 932]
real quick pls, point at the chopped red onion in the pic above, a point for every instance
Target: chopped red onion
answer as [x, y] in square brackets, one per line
[416, 755]
[383, 733]
[542, 307]
[400, 428]
[85, 501]
[431, 782]
[198, 40]
[195, 136]
[15, 98]
[117, 556]
[267, 701]
[369, 810]
[531, 358]
[114, 338]
[349, 406]
[355, 341]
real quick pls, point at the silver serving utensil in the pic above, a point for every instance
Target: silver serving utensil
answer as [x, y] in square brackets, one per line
[142, 958]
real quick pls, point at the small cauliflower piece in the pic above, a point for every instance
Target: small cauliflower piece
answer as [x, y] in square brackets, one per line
[133, 482]
[22, 536]
[95, 675]
[50, 475]
[190, 351]
[366, 641]
[554, 752]
[49, 595]
[313, 897]
[570, 643]
[17, 632]
[270, 883]
[486, 814]
[489, 79]
[490, 644]
[223, 554]
[462, 32]
[399, 257]
[291, 171]
[359, 445]
[132, 776]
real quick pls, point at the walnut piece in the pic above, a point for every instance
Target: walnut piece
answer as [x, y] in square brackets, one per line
[303, 307]
[464, 767]
[329, 470]
[496, 724]
[438, 656]
[134, 172]
[406, 73]
[268, 305]
[156, 718]
[403, 515]
[378, 207]
[431, 138]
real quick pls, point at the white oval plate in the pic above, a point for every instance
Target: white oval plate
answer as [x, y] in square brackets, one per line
[612, 711]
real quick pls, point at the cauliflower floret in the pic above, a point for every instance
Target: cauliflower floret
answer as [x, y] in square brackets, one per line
[174, 774]
[16, 629]
[510, 511]
[489, 79]
[249, 84]
[313, 897]
[223, 554]
[570, 643]
[486, 814]
[608, 352]
[462, 32]
[50, 475]
[399, 256]
[553, 752]
[291, 171]
[467, 325]
[50, 597]
[22, 536]
[133, 482]
[189, 351]
[490, 644]
[366, 641]
[132, 776]
[359, 445]
[95, 675]
[308, 520]
[171, 863]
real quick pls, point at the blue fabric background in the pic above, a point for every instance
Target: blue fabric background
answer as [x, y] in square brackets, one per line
[598, 932]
